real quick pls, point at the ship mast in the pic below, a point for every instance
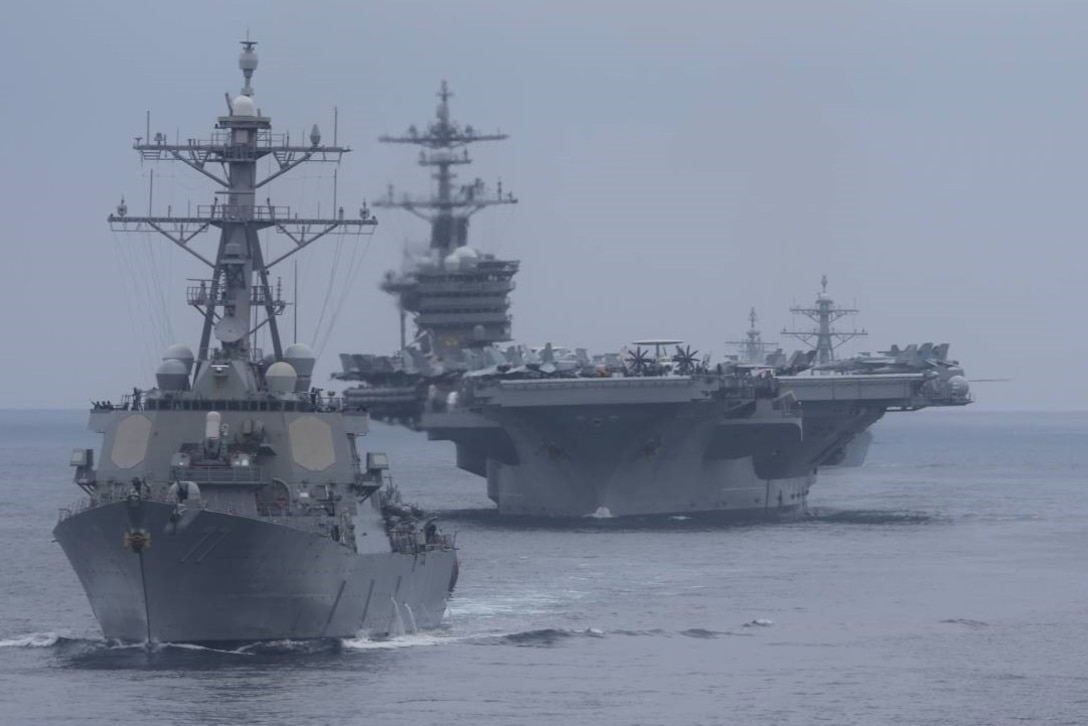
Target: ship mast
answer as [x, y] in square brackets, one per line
[444, 146]
[752, 348]
[825, 339]
[239, 278]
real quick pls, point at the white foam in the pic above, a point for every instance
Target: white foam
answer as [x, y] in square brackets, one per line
[760, 622]
[601, 513]
[34, 640]
[192, 646]
[526, 603]
[116, 645]
[411, 618]
[397, 628]
[413, 640]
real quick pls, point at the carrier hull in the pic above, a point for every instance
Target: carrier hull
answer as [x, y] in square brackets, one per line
[665, 457]
[652, 446]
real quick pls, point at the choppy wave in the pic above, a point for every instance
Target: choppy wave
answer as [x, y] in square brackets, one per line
[871, 516]
[293, 647]
[966, 621]
[602, 521]
[639, 633]
[549, 637]
[33, 640]
[410, 640]
[159, 647]
[541, 637]
[702, 633]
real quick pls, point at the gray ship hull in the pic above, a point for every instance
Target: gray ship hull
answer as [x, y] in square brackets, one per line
[214, 577]
[652, 446]
[649, 459]
[854, 453]
[729, 488]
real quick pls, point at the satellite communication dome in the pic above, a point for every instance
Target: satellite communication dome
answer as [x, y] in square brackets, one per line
[460, 254]
[281, 377]
[243, 106]
[172, 375]
[181, 353]
[301, 358]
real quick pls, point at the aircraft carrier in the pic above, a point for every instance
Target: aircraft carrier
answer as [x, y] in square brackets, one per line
[652, 429]
[656, 430]
[229, 503]
[660, 436]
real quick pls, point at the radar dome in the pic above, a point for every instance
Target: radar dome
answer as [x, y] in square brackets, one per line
[172, 375]
[301, 358]
[281, 377]
[958, 385]
[181, 353]
[243, 106]
[460, 254]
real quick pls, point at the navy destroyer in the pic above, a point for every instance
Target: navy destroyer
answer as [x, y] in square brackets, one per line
[229, 503]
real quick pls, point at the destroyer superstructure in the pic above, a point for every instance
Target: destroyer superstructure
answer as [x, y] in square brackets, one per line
[229, 503]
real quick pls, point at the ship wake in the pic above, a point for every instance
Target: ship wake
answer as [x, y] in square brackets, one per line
[872, 516]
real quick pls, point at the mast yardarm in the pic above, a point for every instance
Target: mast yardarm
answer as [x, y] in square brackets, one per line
[443, 145]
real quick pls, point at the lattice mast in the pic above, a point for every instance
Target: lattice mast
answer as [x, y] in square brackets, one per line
[239, 278]
[825, 339]
[444, 146]
[752, 348]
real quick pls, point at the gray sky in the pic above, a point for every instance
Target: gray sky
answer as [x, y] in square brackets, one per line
[676, 163]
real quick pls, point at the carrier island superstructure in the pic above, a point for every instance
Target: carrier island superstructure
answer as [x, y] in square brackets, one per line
[229, 503]
[456, 297]
[648, 430]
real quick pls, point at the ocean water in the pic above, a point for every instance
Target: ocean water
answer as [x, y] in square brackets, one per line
[945, 582]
